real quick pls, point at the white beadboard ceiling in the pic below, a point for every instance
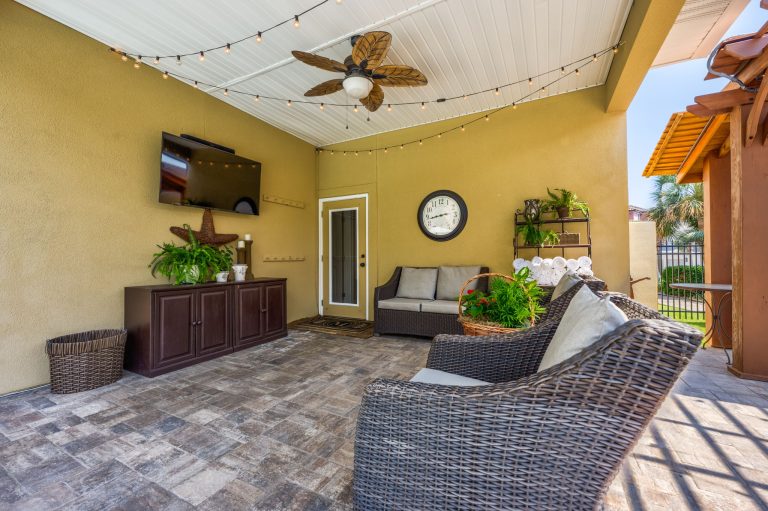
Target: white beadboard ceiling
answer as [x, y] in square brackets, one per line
[460, 45]
[698, 28]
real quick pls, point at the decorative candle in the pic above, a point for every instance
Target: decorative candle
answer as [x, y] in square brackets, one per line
[247, 237]
[241, 244]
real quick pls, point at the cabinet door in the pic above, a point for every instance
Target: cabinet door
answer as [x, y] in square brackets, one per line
[213, 320]
[248, 311]
[274, 317]
[174, 328]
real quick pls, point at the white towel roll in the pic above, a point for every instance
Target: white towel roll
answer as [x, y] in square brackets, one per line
[558, 262]
[546, 264]
[572, 264]
[518, 263]
[536, 260]
[586, 272]
[585, 262]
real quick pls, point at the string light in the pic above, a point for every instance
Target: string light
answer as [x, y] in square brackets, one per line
[385, 149]
[423, 106]
[577, 71]
[227, 49]
[497, 91]
[389, 108]
[462, 127]
[322, 106]
[487, 118]
[165, 75]
[258, 40]
[256, 98]
[355, 109]
[290, 102]
[421, 142]
[338, 2]
[156, 61]
[178, 60]
[466, 97]
[594, 57]
[124, 57]
[202, 56]
[562, 70]
[137, 62]
[296, 23]
[530, 82]
[196, 84]
[401, 146]
[226, 92]
[355, 153]
[616, 49]
[514, 106]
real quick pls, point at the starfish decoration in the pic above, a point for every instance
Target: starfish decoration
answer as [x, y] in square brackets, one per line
[207, 234]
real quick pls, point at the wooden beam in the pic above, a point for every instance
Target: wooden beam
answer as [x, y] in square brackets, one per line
[703, 111]
[764, 4]
[753, 120]
[725, 99]
[752, 70]
[725, 148]
[737, 243]
[700, 145]
[746, 50]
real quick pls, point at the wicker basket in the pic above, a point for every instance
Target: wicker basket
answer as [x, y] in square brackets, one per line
[570, 238]
[474, 327]
[86, 360]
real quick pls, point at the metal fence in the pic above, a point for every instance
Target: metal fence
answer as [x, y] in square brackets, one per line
[680, 263]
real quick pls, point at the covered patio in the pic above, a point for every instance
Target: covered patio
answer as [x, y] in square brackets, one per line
[273, 427]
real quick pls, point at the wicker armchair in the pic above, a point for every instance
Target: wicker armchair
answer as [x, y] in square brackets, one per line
[546, 441]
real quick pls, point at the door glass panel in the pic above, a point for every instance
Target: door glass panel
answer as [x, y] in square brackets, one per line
[343, 257]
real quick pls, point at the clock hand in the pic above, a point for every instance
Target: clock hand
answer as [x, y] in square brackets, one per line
[438, 216]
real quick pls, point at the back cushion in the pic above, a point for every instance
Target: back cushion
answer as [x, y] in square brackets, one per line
[451, 278]
[567, 281]
[417, 283]
[587, 318]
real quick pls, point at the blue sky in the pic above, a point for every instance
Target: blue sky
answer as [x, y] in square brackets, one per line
[667, 90]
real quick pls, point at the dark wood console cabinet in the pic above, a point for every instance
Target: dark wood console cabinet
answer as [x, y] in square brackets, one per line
[170, 327]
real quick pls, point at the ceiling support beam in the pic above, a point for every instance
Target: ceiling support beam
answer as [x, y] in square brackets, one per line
[700, 145]
[644, 33]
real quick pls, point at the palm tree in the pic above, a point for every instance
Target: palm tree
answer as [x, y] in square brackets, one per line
[678, 210]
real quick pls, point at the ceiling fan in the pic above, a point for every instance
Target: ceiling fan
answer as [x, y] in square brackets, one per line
[363, 73]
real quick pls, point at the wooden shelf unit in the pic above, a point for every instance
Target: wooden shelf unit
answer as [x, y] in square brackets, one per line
[520, 220]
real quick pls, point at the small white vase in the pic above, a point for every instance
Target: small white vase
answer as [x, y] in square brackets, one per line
[239, 270]
[222, 276]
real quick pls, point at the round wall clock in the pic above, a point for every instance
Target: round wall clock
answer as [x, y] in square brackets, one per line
[442, 215]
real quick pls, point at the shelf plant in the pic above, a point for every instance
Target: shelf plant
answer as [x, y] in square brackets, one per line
[193, 263]
[535, 236]
[511, 302]
[564, 202]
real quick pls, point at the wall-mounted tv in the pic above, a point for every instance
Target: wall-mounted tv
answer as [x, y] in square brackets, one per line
[200, 175]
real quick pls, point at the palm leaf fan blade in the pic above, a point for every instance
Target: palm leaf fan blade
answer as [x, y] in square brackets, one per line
[319, 61]
[374, 99]
[398, 76]
[324, 88]
[371, 49]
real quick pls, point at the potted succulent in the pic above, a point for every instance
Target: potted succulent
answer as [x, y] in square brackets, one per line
[564, 202]
[511, 303]
[193, 263]
[535, 236]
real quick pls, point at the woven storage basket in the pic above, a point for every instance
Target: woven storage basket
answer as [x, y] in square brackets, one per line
[570, 238]
[474, 327]
[86, 360]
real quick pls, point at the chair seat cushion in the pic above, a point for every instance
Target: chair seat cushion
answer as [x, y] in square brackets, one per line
[451, 278]
[417, 283]
[441, 306]
[587, 319]
[436, 377]
[401, 304]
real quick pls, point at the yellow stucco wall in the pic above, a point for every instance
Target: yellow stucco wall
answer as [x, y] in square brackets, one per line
[79, 174]
[643, 262]
[566, 141]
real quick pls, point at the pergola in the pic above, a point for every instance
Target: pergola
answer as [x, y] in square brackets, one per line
[722, 141]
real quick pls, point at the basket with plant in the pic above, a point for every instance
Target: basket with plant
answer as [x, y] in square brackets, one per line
[193, 263]
[511, 303]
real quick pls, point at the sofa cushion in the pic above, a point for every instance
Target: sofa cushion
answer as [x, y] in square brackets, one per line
[417, 283]
[401, 304]
[587, 319]
[436, 377]
[567, 281]
[451, 278]
[441, 306]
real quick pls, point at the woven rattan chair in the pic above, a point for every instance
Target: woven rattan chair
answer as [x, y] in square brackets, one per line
[541, 441]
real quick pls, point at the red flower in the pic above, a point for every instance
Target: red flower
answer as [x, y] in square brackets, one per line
[470, 291]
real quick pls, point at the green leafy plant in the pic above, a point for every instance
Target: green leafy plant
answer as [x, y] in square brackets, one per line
[678, 274]
[191, 263]
[564, 202]
[535, 236]
[509, 303]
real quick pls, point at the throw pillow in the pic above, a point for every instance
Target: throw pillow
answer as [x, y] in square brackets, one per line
[417, 283]
[587, 319]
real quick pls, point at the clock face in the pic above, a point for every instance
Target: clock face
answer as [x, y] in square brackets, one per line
[442, 215]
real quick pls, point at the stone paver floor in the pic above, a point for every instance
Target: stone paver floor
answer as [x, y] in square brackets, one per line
[272, 428]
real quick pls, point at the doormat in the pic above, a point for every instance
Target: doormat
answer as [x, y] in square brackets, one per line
[333, 325]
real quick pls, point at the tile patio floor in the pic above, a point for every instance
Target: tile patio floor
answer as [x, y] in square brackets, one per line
[272, 428]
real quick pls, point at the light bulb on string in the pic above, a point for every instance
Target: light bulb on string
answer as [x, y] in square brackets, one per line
[124, 57]
[296, 23]
[385, 149]
[165, 75]
[256, 98]
[562, 70]
[487, 118]
[355, 153]
[423, 106]
[258, 40]
[338, 2]
[514, 106]
[322, 106]
[137, 62]
[227, 49]
[594, 57]
[156, 61]
[289, 103]
[202, 56]
[195, 84]
[226, 92]
[389, 108]
[421, 142]
[355, 109]
[462, 128]
[497, 91]
[178, 60]
[616, 49]
[401, 146]
[577, 71]
[530, 82]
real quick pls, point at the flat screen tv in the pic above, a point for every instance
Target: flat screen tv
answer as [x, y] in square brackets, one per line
[199, 175]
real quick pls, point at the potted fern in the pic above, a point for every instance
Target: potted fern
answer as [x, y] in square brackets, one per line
[564, 202]
[193, 263]
[535, 236]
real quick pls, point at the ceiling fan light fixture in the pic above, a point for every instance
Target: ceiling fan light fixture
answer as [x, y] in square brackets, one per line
[357, 86]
